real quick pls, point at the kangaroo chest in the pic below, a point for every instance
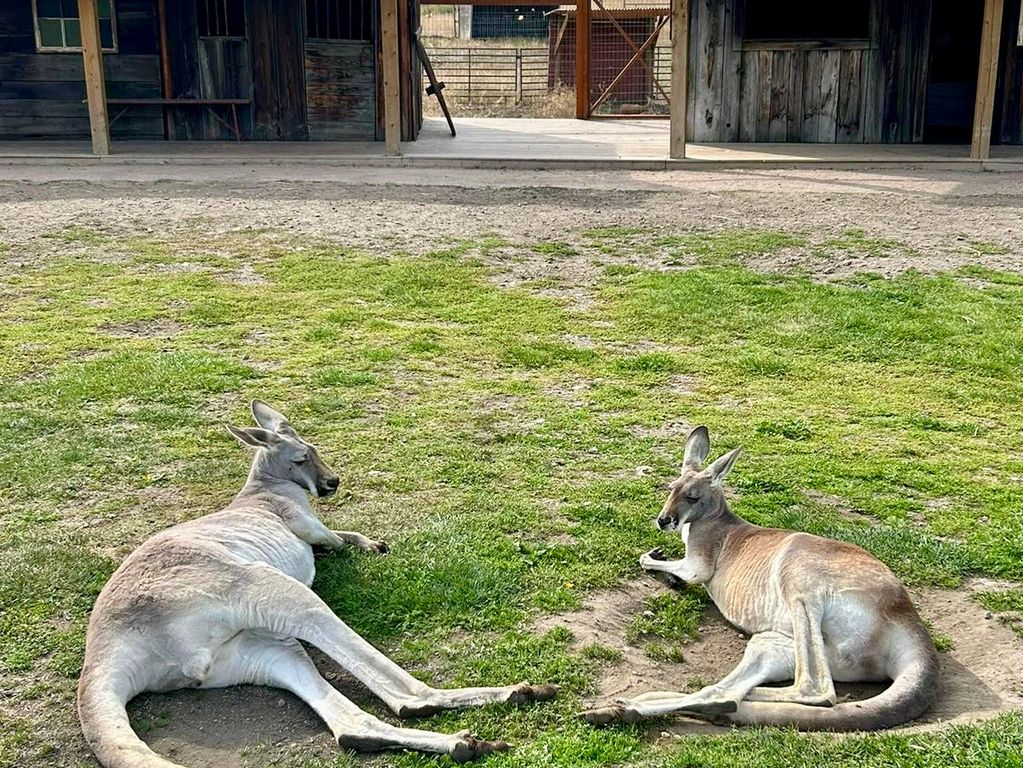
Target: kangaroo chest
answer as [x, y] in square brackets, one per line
[741, 587]
[269, 541]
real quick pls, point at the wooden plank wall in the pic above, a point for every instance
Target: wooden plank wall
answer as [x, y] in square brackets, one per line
[41, 94]
[1008, 124]
[277, 38]
[340, 90]
[870, 91]
[224, 73]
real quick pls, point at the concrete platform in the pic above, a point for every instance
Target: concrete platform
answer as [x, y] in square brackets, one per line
[523, 143]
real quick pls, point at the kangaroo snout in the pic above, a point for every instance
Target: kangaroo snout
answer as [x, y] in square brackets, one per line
[328, 486]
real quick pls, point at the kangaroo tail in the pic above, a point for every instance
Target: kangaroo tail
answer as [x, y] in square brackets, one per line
[101, 709]
[910, 694]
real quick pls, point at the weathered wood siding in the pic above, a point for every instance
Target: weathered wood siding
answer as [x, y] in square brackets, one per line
[299, 89]
[340, 90]
[856, 91]
[41, 94]
[277, 39]
[224, 73]
[209, 67]
[1008, 125]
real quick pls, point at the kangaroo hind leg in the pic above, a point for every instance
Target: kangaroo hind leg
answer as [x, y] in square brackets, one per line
[812, 683]
[258, 658]
[284, 606]
[768, 658]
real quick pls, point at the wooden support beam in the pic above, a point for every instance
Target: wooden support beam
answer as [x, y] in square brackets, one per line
[582, 59]
[987, 77]
[391, 76]
[95, 86]
[679, 78]
[166, 82]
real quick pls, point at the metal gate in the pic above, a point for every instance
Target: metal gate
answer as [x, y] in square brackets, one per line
[622, 52]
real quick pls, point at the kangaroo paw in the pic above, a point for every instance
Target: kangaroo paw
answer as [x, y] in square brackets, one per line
[616, 713]
[526, 692]
[471, 748]
[418, 710]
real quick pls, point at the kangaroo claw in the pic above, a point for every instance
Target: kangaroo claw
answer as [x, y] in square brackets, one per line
[616, 713]
[471, 748]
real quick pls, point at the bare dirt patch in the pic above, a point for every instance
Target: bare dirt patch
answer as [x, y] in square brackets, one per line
[604, 619]
[242, 726]
[981, 676]
[158, 328]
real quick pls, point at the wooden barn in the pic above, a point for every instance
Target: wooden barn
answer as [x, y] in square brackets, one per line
[870, 71]
[269, 70]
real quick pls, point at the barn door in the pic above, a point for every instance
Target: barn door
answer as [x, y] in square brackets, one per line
[277, 41]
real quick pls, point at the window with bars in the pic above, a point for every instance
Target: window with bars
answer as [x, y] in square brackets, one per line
[220, 18]
[339, 19]
[58, 27]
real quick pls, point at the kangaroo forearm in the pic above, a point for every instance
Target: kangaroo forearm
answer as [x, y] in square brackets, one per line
[354, 539]
[683, 569]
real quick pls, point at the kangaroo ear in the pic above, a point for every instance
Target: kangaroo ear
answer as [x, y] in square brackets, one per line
[268, 418]
[721, 467]
[254, 436]
[697, 448]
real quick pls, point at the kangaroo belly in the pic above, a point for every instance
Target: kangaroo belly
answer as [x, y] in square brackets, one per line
[855, 639]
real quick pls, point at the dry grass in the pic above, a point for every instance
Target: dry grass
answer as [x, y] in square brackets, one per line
[559, 103]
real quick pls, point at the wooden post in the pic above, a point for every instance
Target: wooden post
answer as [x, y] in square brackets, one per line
[95, 87]
[582, 59]
[166, 84]
[392, 79]
[679, 78]
[987, 77]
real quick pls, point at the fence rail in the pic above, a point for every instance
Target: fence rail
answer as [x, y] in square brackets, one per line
[484, 74]
[481, 74]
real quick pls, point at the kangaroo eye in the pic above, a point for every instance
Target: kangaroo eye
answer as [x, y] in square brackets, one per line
[300, 460]
[692, 498]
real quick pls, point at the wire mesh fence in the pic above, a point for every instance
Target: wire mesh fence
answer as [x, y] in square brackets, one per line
[512, 61]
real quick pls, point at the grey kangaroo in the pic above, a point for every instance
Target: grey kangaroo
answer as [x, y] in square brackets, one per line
[224, 600]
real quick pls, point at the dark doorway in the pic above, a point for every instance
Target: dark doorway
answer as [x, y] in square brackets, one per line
[952, 73]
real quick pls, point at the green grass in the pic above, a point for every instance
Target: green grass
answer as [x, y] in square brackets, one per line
[496, 454]
[726, 246]
[857, 240]
[986, 248]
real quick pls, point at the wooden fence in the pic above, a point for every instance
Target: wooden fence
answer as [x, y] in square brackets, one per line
[481, 75]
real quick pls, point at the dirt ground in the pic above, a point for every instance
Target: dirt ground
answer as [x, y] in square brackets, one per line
[937, 214]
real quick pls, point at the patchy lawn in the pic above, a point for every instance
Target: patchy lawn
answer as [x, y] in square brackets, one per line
[509, 438]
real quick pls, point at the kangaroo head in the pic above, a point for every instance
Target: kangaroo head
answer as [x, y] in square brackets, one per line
[697, 492]
[282, 455]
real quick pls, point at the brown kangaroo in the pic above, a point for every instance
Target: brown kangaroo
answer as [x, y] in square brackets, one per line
[817, 610]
